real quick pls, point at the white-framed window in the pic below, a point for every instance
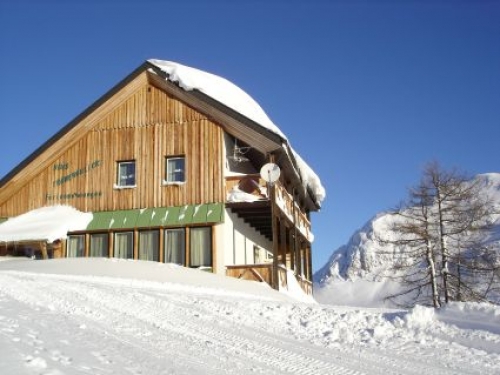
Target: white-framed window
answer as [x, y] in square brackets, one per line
[175, 170]
[149, 245]
[75, 246]
[99, 245]
[200, 247]
[124, 245]
[175, 246]
[262, 255]
[125, 174]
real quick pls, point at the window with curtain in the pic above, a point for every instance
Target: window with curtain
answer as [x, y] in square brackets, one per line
[175, 246]
[149, 245]
[201, 247]
[126, 174]
[175, 169]
[75, 246]
[124, 245]
[99, 245]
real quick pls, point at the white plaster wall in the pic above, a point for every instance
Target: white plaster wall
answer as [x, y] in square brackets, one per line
[219, 250]
[240, 239]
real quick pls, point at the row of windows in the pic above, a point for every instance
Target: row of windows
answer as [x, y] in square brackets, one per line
[175, 168]
[174, 247]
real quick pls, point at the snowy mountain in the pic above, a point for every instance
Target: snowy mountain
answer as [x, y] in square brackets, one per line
[355, 273]
[108, 316]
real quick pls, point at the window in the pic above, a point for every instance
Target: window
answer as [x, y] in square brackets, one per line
[175, 170]
[124, 245]
[126, 174]
[76, 246]
[201, 247]
[99, 245]
[149, 245]
[262, 255]
[175, 246]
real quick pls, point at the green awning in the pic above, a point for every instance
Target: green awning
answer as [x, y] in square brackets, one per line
[158, 217]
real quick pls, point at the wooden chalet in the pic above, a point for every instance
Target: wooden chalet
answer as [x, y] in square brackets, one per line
[170, 174]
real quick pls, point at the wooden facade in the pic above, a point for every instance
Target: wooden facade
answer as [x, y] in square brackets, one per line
[145, 120]
[147, 126]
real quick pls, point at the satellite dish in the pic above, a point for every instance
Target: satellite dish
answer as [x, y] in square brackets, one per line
[270, 172]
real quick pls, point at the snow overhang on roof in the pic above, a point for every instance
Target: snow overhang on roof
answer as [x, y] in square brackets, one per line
[230, 95]
[44, 224]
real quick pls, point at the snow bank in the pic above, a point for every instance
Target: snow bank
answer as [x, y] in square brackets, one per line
[44, 224]
[147, 273]
[356, 293]
[472, 315]
[74, 316]
[294, 290]
[419, 317]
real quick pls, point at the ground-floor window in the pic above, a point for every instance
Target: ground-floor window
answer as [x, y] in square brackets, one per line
[175, 246]
[76, 246]
[200, 247]
[124, 245]
[178, 245]
[99, 245]
[149, 245]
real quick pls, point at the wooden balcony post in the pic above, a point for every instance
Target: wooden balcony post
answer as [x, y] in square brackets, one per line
[275, 277]
[43, 249]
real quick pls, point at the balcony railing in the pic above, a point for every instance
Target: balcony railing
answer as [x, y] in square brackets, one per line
[263, 273]
[291, 209]
[254, 188]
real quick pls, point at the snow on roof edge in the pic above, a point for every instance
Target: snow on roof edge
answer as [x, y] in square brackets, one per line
[49, 223]
[232, 96]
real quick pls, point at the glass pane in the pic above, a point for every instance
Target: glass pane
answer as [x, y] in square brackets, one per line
[175, 246]
[99, 245]
[201, 247]
[175, 170]
[149, 245]
[126, 173]
[124, 245]
[76, 246]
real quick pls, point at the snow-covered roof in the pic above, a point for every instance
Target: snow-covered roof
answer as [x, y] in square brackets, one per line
[232, 96]
[44, 224]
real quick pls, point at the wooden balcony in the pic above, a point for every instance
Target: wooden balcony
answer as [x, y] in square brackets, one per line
[254, 205]
[284, 224]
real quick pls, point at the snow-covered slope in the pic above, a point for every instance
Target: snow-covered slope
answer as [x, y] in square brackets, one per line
[103, 316]
[354, 274]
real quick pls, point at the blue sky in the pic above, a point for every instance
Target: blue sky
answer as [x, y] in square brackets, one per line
[367, 92]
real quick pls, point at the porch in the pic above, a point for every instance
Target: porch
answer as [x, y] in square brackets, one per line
[277, 216]
[263, 273]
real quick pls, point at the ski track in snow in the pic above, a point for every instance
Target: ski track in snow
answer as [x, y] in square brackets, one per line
[61, 324]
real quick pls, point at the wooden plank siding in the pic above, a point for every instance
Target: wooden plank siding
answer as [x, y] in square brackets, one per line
[141, 122]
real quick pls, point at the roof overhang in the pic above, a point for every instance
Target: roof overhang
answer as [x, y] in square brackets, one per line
[233, 122]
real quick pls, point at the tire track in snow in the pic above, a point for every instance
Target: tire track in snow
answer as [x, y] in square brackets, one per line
[150, 313]
[98, 320]
[161, 321]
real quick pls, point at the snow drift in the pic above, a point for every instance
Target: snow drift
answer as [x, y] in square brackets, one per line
[44, 224]
[105, 316]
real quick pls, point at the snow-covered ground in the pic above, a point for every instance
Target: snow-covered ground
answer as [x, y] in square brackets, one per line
[103, 316]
